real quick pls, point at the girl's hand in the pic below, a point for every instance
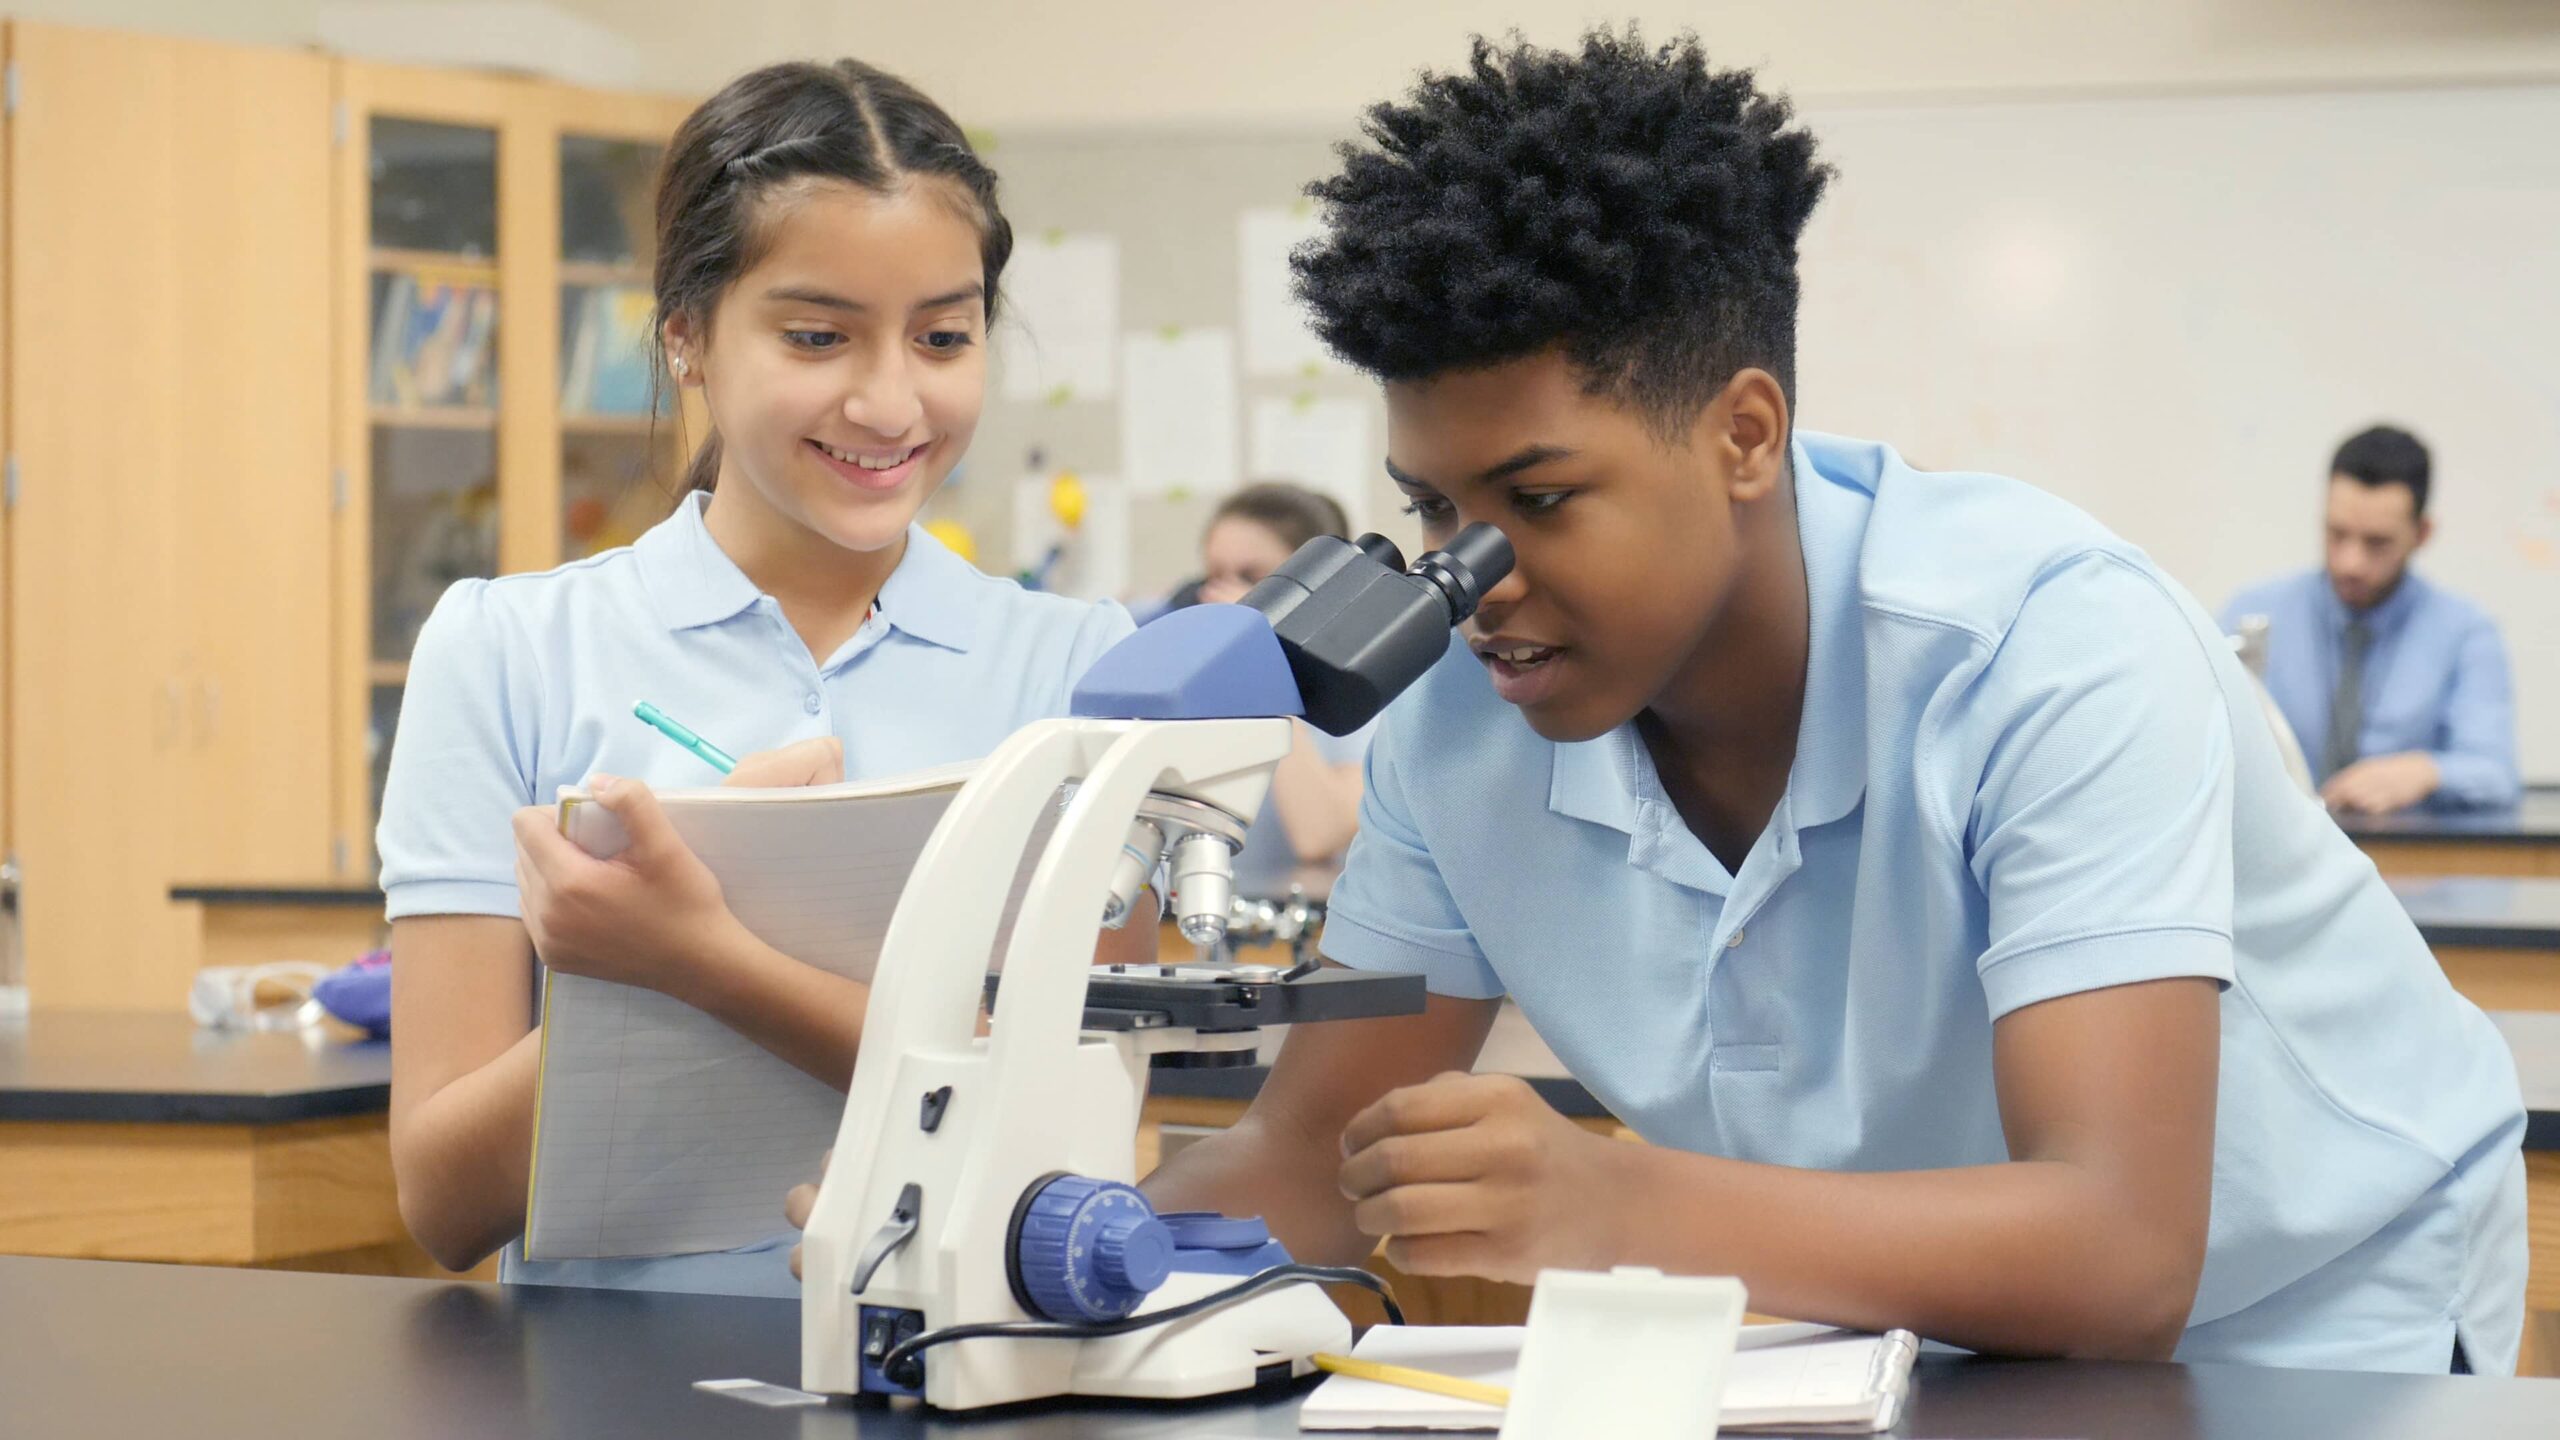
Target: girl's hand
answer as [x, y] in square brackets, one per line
[803, 762]
[651, 916]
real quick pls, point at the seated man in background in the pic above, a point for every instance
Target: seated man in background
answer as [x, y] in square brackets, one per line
[2398, 690]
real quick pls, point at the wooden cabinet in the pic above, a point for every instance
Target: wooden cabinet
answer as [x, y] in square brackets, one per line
[168, 384]
[225, 522]
[528, 199]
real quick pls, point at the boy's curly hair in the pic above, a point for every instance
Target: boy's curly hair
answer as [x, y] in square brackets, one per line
[1628, 203]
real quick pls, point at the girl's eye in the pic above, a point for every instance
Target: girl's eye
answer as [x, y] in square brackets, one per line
[948, 340]
[812, 339]
[1538, 502]
[1430, 509]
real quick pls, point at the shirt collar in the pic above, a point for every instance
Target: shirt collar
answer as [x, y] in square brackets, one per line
[2382, 619]
[693, 582]
[1609, 780]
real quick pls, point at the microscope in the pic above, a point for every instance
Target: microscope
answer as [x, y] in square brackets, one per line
[979, 1239]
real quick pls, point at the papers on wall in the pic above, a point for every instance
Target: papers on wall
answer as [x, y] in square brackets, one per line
[1318, 443]
[1063, 294]
[1178, 412]
[1090, 561]
[1277, 340]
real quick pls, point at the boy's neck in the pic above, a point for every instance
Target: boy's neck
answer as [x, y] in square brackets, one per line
[825, 590]
[1723, 733]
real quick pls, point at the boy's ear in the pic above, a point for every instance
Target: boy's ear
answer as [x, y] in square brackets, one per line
[1748, 423]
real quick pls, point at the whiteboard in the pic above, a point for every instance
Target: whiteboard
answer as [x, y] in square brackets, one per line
[2170, 310]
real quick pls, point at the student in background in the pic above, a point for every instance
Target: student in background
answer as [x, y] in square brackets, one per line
[829, 253]
[2398, 690]
[1902, 854]
[1314, 806]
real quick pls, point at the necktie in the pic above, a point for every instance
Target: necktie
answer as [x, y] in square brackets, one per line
[2346, 707]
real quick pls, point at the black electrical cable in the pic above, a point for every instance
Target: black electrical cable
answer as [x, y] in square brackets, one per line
[901, 1366]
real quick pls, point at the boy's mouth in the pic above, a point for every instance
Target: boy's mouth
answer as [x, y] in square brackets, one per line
[1523, 673]
[871, 468]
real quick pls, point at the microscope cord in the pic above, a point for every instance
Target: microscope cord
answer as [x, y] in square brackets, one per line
[902, 1354]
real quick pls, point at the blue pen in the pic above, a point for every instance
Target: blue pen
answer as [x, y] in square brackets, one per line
[711, 755]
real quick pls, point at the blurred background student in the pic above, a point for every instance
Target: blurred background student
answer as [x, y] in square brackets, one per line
[1314, 805]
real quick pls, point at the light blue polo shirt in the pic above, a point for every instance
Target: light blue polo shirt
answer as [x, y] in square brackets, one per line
[525, 683]
[2028, 766]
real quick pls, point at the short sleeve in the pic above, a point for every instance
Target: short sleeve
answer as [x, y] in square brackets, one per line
[462, 764]
[1391, 910]
[2100, 829]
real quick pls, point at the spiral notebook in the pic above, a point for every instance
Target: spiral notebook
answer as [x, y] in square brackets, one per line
[657, 1129]
[1803, 1379]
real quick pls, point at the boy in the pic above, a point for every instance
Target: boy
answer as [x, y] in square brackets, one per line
[1901, 854]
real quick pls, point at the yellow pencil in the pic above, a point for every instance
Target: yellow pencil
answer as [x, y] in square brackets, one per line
[1437, 1384]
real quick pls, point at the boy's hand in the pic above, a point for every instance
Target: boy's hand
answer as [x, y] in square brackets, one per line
[1475, 1175]
[651, 916]
[803, 762]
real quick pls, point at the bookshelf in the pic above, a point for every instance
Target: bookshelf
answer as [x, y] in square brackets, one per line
[494, 381]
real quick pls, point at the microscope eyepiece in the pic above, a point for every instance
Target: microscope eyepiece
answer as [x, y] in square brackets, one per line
[1477, 559]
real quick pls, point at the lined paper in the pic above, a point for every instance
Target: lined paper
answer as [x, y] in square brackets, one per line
[661, 1131]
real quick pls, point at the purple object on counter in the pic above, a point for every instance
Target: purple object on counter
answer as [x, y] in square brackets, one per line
[359, 993]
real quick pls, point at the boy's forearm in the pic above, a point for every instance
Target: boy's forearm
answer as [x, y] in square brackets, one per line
[2024, 1257]
[1258, 1166]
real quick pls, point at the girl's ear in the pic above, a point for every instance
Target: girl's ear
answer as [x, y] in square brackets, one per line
[684, 355]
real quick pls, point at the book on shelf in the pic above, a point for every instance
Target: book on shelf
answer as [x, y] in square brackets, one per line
[433, 344]
[609, 363]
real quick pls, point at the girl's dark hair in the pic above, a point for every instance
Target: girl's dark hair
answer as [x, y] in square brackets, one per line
[1293, 512]
[846, 121]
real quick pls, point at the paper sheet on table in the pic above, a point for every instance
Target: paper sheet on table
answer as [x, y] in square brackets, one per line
[1319, 443]
[1277, 340]
[1178, 412]
[1799, 1378]
[1062, 343]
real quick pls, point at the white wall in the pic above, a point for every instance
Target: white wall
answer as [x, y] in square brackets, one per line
[1253, 63]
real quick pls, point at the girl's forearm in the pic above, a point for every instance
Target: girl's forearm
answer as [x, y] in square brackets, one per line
[464, 1155]
[809, 1017]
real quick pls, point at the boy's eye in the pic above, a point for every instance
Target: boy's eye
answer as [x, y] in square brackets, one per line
[812, 339]
[1430, 509]
[1538, 502]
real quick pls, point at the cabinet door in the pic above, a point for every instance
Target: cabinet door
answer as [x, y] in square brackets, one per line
[251, 178]
[97, 713]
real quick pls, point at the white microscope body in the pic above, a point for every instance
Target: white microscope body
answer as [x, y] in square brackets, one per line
[1034, 1097]
[985, 1181]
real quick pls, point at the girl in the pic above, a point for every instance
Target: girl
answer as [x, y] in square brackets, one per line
[829, 252]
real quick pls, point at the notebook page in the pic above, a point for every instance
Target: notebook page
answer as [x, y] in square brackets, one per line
[1802, 1376]
[660, 1130]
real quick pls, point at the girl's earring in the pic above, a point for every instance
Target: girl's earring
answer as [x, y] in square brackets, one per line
[677, 365]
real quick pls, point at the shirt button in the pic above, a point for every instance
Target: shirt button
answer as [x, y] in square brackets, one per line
[1734, 940]
[811, 703]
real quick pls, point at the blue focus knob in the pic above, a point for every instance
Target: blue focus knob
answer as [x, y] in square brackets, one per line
[1087, 1250]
